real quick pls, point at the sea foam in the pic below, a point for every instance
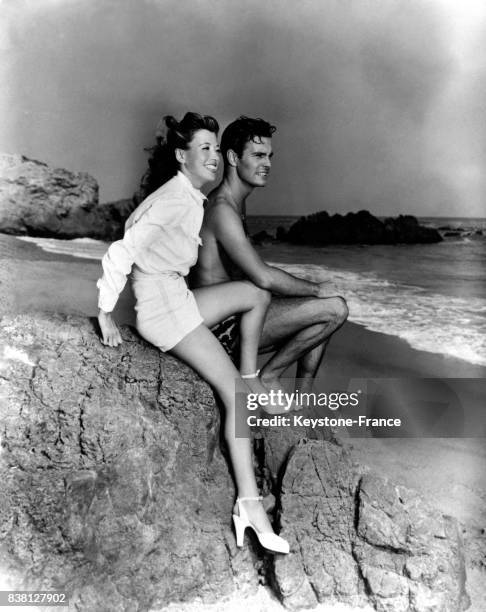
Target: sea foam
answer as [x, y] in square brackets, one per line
[86, 248]
[427, 321]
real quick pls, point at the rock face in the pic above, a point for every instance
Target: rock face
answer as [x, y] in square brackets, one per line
[38, 200]
[114, 488]
[358, 228]
[113, 484]
[360, 539]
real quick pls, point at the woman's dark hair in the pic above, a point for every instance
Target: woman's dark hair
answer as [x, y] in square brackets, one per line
[162, 161]
[243, 130]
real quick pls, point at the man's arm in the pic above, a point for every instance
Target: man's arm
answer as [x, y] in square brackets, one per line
[228, 230]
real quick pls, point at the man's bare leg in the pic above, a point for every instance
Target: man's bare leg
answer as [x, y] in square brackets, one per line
[299, 330]
[308, 365]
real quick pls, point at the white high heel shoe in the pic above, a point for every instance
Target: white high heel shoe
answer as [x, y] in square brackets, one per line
[267, 539]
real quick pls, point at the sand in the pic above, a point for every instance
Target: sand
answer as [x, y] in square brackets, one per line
[449, 471]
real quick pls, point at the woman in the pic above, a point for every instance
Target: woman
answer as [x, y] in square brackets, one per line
[161, 243]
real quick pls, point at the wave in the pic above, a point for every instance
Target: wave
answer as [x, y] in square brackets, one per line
[85, 248]
[427, 321]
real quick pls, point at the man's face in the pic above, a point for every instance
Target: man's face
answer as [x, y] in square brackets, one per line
[254, 164]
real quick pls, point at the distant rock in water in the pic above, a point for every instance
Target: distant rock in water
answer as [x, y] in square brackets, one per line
[358, 228]
[38, 200]
[261, 238]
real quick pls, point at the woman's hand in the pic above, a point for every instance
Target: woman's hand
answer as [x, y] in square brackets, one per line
[110, 333]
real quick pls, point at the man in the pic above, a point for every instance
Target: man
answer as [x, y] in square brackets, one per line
[302, 317]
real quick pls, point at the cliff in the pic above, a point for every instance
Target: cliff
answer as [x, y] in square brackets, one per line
[38, 200]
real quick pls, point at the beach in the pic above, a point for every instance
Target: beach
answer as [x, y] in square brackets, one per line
[114, 481]
[450, 472]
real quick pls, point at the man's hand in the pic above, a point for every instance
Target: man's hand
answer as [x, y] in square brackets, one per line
[326, 290]
[109, 330]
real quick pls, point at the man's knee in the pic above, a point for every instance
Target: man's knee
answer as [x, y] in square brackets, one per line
[334, 309]
[341, 310]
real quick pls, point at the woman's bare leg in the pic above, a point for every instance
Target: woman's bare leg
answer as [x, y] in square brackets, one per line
[202, 351]
[217, 302]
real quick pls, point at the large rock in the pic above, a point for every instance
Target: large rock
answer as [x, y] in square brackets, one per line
[38, 200]
[360, 539]
[115, 489]
[358, 228]
[113, 483]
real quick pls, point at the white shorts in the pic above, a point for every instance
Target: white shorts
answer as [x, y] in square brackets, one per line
[166, 309]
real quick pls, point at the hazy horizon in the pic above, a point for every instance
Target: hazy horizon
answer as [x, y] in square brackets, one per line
[378, 106]
[345, 212]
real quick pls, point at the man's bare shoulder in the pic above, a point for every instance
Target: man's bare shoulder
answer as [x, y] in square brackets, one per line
[219, 209]
[218, 197]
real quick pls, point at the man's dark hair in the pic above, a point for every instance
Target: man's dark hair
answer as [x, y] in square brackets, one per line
[162, 162]
[243, 130]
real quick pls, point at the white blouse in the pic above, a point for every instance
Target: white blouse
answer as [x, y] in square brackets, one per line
[161, 235]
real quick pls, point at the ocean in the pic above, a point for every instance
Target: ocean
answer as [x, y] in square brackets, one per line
[432, 296]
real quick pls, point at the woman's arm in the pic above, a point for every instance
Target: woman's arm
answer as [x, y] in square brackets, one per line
[109, 330]
[117, 262]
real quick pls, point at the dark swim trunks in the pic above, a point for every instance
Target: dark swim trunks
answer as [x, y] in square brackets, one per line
[228, 333]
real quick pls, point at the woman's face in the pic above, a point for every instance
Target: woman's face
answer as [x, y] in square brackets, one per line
[200, 161]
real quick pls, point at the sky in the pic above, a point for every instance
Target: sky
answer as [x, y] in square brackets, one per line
[379, 104]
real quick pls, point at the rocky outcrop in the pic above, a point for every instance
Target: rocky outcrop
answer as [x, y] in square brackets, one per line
[113, 484]
[115, 489]
[262, 238]
[405, 229]
[359, 539]
[38, 200]
[358, 228]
